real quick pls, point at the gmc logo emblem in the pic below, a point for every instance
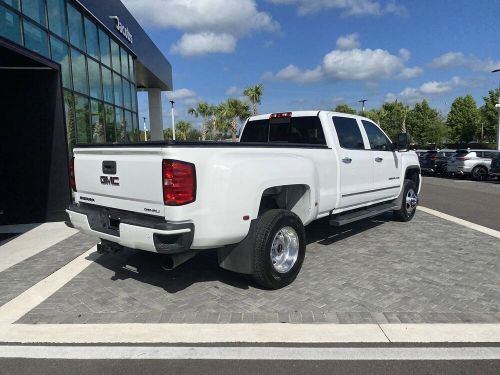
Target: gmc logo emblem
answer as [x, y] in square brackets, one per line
[110, 180]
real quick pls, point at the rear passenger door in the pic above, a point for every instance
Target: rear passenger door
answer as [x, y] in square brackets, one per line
[355, 163]
[386, 162]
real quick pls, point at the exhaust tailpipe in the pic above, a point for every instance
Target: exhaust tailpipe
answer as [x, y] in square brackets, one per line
[172, 261]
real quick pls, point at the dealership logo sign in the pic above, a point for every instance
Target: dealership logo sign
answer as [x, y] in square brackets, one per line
[122, 29]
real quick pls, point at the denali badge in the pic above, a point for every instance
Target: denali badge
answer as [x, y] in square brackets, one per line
[110, 180]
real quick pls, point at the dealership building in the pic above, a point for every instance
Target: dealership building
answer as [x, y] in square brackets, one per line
[69, 73]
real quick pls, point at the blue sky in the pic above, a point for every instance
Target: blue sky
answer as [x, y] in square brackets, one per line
[315, 54]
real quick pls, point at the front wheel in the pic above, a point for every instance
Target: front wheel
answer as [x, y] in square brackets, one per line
[479, 173]
[409, 202]
[280, 247]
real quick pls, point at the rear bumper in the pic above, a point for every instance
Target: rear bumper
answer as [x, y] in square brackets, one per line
[129, 229]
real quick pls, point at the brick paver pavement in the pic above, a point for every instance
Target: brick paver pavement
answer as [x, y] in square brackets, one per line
[376, 271]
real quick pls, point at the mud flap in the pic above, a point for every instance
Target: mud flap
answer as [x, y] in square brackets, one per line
[239, 257]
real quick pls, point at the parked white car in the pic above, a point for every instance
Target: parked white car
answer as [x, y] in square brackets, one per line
[473, 163]
[251, 199]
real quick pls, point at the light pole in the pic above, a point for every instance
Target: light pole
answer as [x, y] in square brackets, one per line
[144, 124]
[173, 120]
[362, 101]
[498, 106]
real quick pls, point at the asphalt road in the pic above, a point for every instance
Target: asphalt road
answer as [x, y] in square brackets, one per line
[119, 367]
[478, 202]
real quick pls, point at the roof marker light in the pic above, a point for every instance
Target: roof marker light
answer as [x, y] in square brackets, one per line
[281, 115]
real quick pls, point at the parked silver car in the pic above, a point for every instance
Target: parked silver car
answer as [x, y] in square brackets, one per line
[473, 163]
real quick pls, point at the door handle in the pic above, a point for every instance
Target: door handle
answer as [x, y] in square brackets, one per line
[347, 160]
[379, 159]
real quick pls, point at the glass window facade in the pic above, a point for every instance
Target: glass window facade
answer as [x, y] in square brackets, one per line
[57, 18]
[91, 38]
[10, 25]
[115, 55]
[35, 9]
[35, 39]
[75, 27]
[98, 75]
[94, 79]
[60, 54]
[104, 47]
[12, 3]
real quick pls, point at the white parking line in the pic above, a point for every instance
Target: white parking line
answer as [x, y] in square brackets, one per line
[190, 333]
[250, 353]
[142, 333]
[26, 301]
[462, 222]
[32, 242]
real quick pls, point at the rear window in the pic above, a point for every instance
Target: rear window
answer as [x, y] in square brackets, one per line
[298, 130]
[461, 153]
[428, 154]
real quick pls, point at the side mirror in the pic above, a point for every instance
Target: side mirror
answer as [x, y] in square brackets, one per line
[402, 142]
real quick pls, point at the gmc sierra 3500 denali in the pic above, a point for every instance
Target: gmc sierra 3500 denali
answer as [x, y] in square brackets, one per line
[251, 199]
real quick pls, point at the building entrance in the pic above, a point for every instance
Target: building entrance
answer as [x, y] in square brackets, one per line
[33, 149]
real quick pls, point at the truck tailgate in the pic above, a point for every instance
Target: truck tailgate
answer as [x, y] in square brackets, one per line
[123, 178]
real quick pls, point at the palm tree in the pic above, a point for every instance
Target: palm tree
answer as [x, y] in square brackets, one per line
[202, 110]
[182, 129]
[254, 94]
[234, 110]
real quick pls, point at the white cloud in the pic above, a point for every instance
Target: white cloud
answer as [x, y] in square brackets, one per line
[203, 43]
[351, 65]
[427, 90]
[347, 42]
[183, 96]
[459, 59]
[347, 7]
[233, 91]
[220, 23]
[409, 73]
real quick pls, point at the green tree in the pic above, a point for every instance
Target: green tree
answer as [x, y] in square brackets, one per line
[489, 114]
[425, 124]
[148, 135]
[233, 110]
[344, 108]
[254, 94]
[392, 117]
[464, 119]
[193, 135]
[182, 129]
[168, 134]
[70, 119]
[376, 115]
[203, 110]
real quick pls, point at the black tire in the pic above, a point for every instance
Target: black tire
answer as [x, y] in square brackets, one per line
[406, 212]
[268, 225]
[479, 173]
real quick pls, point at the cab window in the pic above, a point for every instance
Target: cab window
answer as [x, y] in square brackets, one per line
[378, 140]
[348, 132]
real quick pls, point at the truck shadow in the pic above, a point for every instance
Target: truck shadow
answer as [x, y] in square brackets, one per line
[145, 267]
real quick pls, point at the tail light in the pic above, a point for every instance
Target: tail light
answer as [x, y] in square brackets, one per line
[72, 180]
[434, 157]
[179, 183]
[462, 158]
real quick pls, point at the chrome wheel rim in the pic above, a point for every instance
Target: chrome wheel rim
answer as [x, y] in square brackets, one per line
[285, 249]
[411, 201]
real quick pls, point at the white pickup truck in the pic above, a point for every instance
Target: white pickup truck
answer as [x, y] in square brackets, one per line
[251, 199]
